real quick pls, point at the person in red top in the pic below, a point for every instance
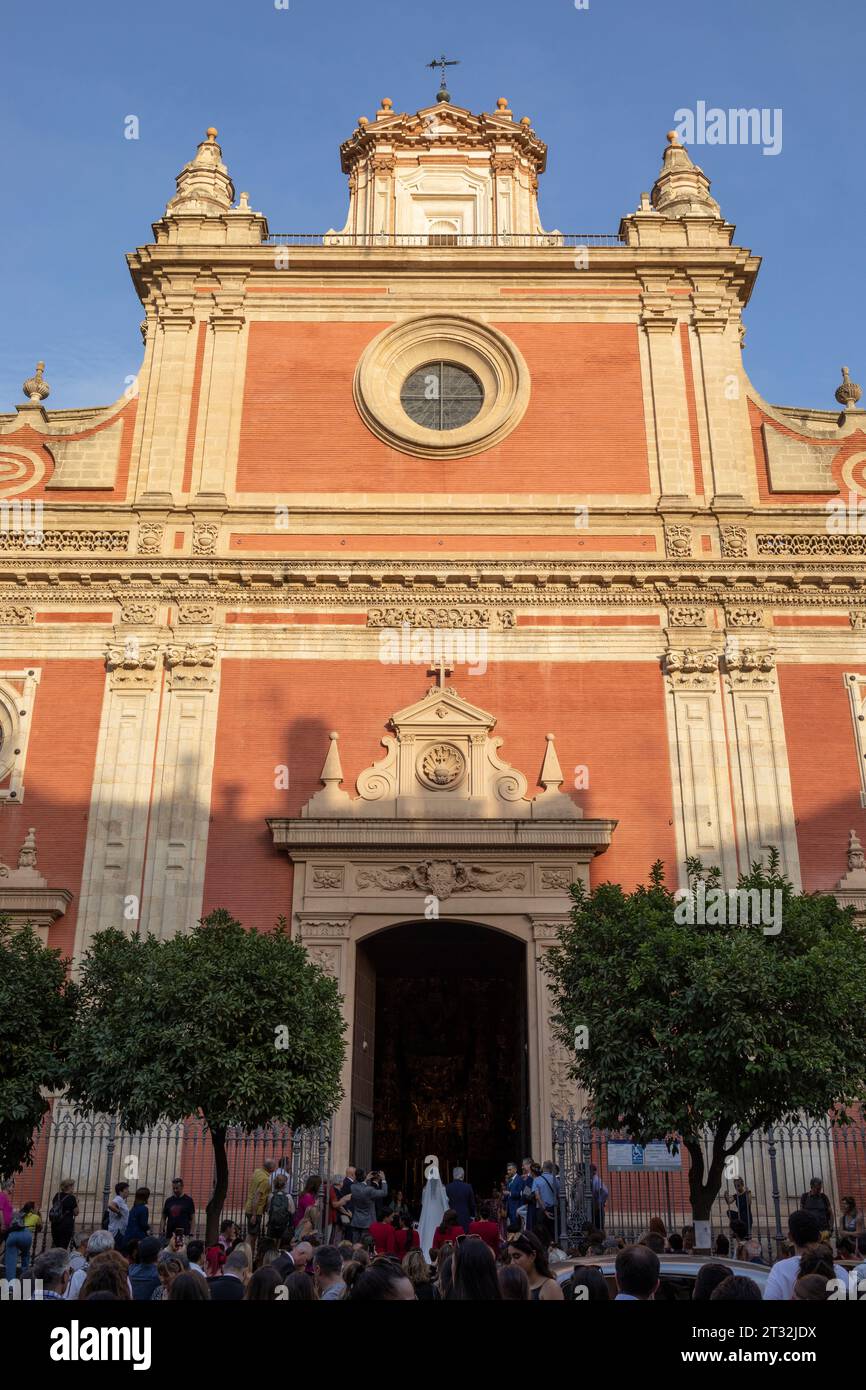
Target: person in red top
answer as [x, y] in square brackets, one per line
[405, 1238]
[489, 1233]
[383, 1236]
[449, 1230]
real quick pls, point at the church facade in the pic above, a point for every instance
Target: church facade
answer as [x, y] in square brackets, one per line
[428, 564]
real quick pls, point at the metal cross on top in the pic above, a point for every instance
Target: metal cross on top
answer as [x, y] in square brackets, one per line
[440, 671]
[443, 63]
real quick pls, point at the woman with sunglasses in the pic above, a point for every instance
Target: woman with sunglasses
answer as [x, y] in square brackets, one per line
[527, 1253]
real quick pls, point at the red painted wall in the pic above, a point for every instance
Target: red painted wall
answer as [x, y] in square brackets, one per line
[583, 430]
[825, 780]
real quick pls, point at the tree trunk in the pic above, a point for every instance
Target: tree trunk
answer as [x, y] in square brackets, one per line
[221, 1186]
[705, 1184]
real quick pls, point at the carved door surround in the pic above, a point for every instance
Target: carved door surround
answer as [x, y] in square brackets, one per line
[441, 828]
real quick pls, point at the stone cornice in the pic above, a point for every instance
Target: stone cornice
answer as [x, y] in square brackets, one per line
[388, 837]
[822, 582]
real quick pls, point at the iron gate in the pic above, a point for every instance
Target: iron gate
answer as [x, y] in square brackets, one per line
[95, 1153]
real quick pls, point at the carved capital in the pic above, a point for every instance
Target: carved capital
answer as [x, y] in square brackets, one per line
[191, 665]
[750, 668]
[132, 664]
[691, 668]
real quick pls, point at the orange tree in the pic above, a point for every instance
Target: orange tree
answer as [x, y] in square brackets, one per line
[236, 1025]
[708, 1032]
[37, 1005]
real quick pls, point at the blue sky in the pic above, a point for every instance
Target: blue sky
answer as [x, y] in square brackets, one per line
[286, 86]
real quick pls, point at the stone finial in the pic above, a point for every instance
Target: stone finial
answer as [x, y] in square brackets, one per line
[551, 772]
[332, 772]
[35, 389]
[203, 186]
[848, 394]
[856, 856]
[682, 189]
[27, 852]
[526, 121]
[387, 104]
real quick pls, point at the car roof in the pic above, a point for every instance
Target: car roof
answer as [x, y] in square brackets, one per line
[688, 1265]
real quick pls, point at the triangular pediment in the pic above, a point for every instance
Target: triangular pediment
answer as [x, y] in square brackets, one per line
[442, 708]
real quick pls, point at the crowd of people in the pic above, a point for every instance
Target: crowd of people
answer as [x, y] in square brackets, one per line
[353, 1238]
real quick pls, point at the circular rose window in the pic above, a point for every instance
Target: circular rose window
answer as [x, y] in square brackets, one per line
[441, 386]
[442, 396]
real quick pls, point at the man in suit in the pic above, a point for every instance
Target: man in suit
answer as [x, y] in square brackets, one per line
[461, 1198]
[229, 1286]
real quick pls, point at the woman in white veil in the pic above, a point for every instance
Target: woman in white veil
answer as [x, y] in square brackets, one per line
[434, 1205]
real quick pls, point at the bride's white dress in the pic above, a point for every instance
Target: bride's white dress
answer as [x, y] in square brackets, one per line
[434, 1205]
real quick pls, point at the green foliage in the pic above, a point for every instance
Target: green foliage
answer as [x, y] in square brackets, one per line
[37, 1003]
[713, 1027]
[170, 1028]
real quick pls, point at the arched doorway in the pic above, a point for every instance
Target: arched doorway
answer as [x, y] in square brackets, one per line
[440, 1061]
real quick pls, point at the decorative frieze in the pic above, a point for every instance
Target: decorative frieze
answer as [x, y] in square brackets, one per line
[331, 928]
[682, 615]
[441, 878]
[802, 543]
[547, 929]
[738, 616]
[678, 541]
[204, 538]
[201, 613]
[135, 611]
[327, 879]
[150, 537]
[67, 541]
[735, 542]
[17, 615]
[441, 617]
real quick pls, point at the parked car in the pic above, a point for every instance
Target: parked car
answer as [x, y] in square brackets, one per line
[678, 1272]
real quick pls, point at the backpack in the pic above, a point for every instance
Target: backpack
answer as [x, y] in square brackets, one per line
[55, 1211]
[279, 1214]
[18, 1223]
[105, 1219]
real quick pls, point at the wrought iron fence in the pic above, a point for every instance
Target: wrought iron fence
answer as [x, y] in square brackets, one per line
[776, 1166]
[94, 1153]
[523, 240]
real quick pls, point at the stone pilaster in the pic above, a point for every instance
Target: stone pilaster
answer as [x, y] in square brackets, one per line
[670, 432]
[763, 800]
[699, 761]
